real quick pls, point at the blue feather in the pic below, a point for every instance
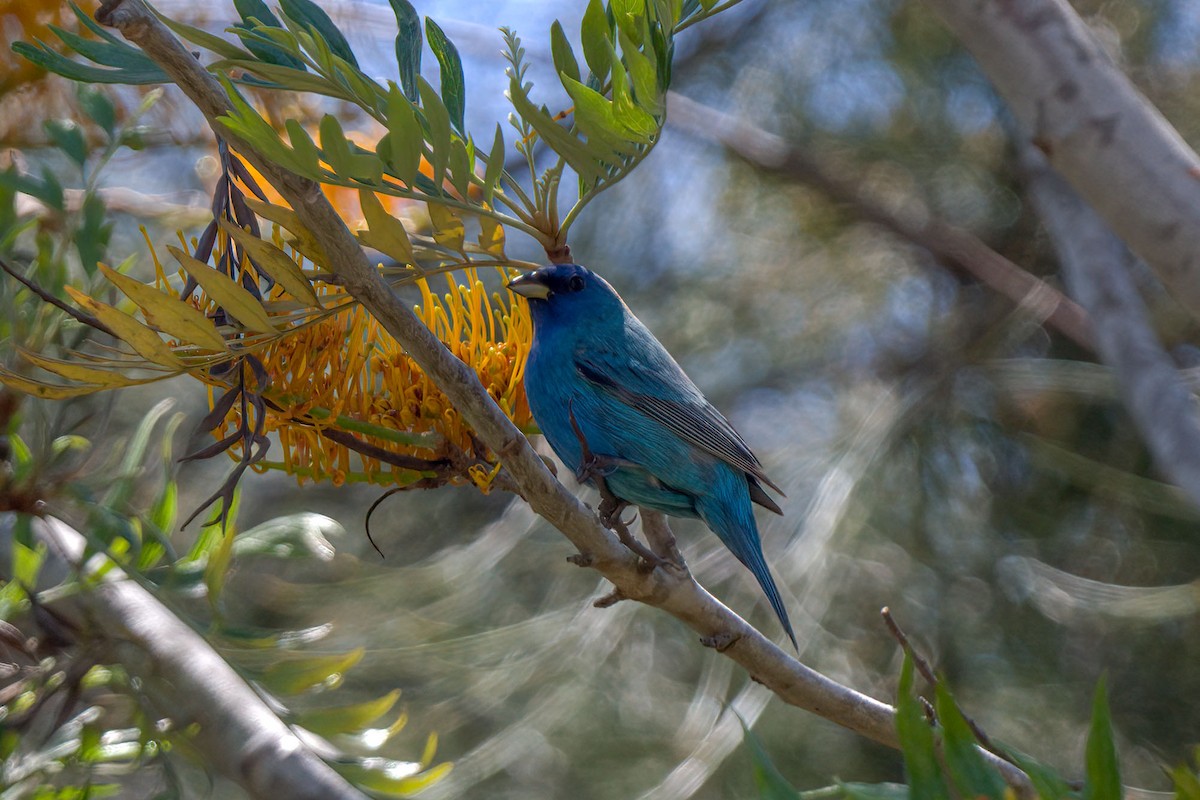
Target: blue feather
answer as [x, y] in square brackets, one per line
[634, 405]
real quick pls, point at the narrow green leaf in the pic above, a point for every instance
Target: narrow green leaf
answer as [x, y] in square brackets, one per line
[292, 676]
[969, 772]
[768, 779]
[595, 116]
[438, 120]
[644, 75]
[495, 166]
[304, 148]
[392, 778]
[596, 36]
[454, 92]
[98, 107]
[917, 742]
[560, 49]
[67, 137]
[1048, 784]
[635, 119]
[312, 16]
[198, 36]
[558, 138]
[404, 137]
[283, 51]
[347, 719]
[51, 61]
[461, 168]
[1103, 780]
[408, 46]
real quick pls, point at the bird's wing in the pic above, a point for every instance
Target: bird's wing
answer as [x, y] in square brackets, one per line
[691, 417]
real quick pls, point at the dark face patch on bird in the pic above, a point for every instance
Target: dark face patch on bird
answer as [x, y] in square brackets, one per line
[553, 281]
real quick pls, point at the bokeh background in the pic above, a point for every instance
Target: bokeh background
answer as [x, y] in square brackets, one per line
[942, 453]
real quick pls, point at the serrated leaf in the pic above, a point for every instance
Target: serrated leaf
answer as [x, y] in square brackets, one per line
[454, 92]
[294, 675]
[969, 772]
[144, 341]
[226, 293]
[408, 46]
[596, 37]
[275, 263]
[438, 120]
[349, 718]
[560, 50]
[312, 16]
[168, 313]
[917, 741]
[448, 229]
[384, 232]
[1103, 779]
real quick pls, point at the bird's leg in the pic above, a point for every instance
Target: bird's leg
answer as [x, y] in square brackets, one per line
[594, 468]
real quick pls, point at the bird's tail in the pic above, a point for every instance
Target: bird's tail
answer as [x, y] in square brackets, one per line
[739, 532]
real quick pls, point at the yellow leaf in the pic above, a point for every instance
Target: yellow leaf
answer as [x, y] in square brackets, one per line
[285, 218]
[49, 391]
[144, 341]
[448, 229]
[275, 263]
[491, 236]
[387, 234]
[107, 378]
[169, 313]
[225, 292]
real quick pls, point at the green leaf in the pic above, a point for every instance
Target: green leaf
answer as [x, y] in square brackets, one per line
[874, 791]
[627, 112]
[1048, 784]
[404, 138]
[98, 107]
[267, 51]
[391, 778]
[295, 675]
[560, 49]
[969, 772]
[1103, 780]
[438, 120]
[384, 232]
[67, 137]
[917, 742]
[408, 46]
[304, 148]
[461, 168]
[596, 37]
[768, 779]
[595, 117]
[558, 138]
[349, 718]
[644, 75]
[453, 85]
[495, 166]
[51, 61]
[312, 16]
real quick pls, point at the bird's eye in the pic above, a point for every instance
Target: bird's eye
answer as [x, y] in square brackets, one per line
[575, 284]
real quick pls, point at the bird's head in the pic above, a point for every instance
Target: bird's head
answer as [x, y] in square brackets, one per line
[568, 292]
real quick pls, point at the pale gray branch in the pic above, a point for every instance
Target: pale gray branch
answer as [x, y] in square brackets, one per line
[1095, 264]
[1094, 126]
[189, 682]
[672, 590]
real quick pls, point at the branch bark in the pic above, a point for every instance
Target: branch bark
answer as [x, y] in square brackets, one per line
[675, 591]
[239, 735]
[951, 245]
[1094, 262]
[1094, 126]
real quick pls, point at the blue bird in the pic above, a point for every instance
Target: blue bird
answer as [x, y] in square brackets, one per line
[620, 412]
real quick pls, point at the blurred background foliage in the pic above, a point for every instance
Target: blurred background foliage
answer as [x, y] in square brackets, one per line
[942, 453]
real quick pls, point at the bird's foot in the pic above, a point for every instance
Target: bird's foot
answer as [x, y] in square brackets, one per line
[593, 468]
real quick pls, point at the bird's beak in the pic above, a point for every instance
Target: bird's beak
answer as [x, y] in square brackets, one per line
[528, 285]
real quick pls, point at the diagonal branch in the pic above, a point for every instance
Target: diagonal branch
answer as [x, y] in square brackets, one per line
[1094, 126]
[237, 732]
[951, 245]
[1095, 263]
[674, 591]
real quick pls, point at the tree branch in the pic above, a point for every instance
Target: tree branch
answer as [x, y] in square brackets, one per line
[1094, 262]
[1094, 126]
[674, 591]
[953, 246]
[239, 735]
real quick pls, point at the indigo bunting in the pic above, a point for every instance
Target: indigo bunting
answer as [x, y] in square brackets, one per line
[619, 411]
